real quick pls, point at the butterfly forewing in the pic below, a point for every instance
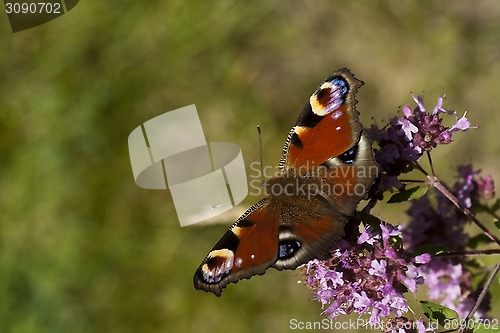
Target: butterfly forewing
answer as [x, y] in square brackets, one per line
[327, 126]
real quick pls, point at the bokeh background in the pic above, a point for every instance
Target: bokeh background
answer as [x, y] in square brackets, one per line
[83, 249]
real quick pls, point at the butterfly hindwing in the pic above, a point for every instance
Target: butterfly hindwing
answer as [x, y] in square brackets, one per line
[272, 233]
[307, 239]
[248, 248]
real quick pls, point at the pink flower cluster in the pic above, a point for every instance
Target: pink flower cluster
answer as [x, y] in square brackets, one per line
[403, 141]
[437, 221]
[370, 276]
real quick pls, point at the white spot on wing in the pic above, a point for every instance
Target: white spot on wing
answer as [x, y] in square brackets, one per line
[336, 114]
[239, 262]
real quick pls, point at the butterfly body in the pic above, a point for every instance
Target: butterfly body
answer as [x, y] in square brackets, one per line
[326, 168]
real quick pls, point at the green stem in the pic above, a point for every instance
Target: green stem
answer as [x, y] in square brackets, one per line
[490, 211]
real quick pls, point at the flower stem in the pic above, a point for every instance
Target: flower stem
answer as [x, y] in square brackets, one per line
[421, 169]
[482, 295]
[434, 181]
[430, 163]
[490, 211]
[461, 253]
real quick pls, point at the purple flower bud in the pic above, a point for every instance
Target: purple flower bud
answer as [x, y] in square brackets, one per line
[423, 258]
[407, 111]
[470, 188]
[486, 187]
[378, 268]
[420, 103]
[407, 127]
[445, 137]
[390, 253]
[461, 124]
[439, 106]
[389, 154]
[361, 301]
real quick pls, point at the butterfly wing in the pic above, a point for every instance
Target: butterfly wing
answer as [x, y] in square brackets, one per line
[248, 248]
[328, 133]
[328, 151]
[309, 223]
[267, 236]
[288, 229]
[327, 126]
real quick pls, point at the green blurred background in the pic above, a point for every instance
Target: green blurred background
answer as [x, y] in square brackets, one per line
[83, 249]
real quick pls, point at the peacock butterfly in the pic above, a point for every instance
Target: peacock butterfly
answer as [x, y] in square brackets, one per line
[325, 170]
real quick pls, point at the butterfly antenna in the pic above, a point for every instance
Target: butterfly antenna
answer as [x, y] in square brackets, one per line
[260, 153]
